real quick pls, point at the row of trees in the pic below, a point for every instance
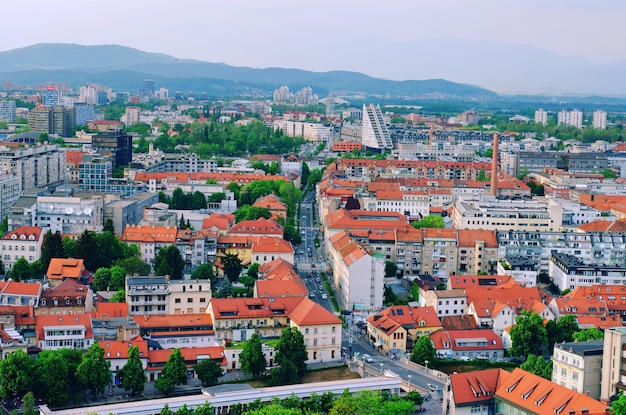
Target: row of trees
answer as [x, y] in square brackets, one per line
[55, 374]
[185, 201]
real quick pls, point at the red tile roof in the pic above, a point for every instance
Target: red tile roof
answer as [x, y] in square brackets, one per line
[190, 354]
[536, 395]
[110, 310]
[156, 234]
[272, 244]
[260, 226]
[27, 231]
[310, 313]
[20, 288]
[63, 321]
[113, 347]
[221, 221]
[271, 202]
[350, 250]
[478, 386]
[60, 268]
[469, 281]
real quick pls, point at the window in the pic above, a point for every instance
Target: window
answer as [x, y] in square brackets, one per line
[177, 301]
[190, 300]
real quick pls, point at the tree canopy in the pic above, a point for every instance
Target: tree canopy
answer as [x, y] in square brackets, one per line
[291, 348]
[538, 366]
[174, 373]
[252, 358]
[423, 350]
[430, 221]
[132, 376]
[528, 335]
[208, 372]
[169, 261]
[94, 371]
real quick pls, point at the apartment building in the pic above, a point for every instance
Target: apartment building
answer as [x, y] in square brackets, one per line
[23, 242]
[439, 252]
[188, 296]
[69, 297]
[613, 376]
[494, 214]
[15, 293]
[589, 246]
[445, 302]
[33, 166]
[65, 331]
[477, 251]
[374, 132]
[148, 295]
[357, 274]
[578, 366]
[569, 272]
[150, 239]
[176, 331]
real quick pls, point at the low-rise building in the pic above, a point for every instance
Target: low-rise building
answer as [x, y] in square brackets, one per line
[150, 239]
[468, 344]
[69, 297]
[68, 331]
[569, 272]
[445, 302]
[147, 295]
[578, 366]
[23, 242]
[16, 293]
[61, 269]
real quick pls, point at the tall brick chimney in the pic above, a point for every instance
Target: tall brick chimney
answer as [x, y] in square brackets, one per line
[494, 166]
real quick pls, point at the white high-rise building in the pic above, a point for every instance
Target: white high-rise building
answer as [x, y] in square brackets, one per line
[576, 119]
[573, 118]
[88, 94]
[563, 117]
[599, 119]
[7, 110]
[132, 115]
[375, 134]
[541, 117]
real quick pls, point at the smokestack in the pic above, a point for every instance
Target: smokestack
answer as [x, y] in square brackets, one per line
[494, 166]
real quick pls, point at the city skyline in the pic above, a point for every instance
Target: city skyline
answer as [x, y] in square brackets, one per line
[330, 36]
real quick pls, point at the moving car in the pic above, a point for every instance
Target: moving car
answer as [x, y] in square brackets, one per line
[324, 296]
[367, 358]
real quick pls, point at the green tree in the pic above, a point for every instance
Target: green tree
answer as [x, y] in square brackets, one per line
[131, 374]
[208, 372]
[169, 261]
[133, 265]
[609, 174]
[252, 358]
[4, 225]
[430, 221]
[16, 374]
[423, 350]
[566, 326]
[94, 371]
[198, 200]
[101, 279]
[253, 270]
[69, 247]
[29, 404]
[538, 365]
[588, 334]
[108, 226]
[52, 248]
[618, 407]
[87, 249]
[285, 374]
[482, 176]
[174, 373]
[390, 269]
[528, 335]
[21, 270]
[118, 278]
[232, 266]
[247, 212]
[291, 348]
[52, 375]
[203, 272]
[118, 297]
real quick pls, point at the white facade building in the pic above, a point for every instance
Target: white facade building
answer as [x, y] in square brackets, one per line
[357, 275]
[375, 134]
[599, 119]
[541, 117]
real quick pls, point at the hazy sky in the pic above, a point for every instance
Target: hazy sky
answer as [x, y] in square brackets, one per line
[316, 35]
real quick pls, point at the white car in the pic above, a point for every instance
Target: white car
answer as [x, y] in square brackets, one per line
[367, 358]
[324, 296]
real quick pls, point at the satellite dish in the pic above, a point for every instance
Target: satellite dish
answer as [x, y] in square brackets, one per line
[78, 211]
[69, 211]
[51, 207]
[88, 211]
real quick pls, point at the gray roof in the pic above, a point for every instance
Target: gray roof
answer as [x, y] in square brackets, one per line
[587, 348]
[147, 280]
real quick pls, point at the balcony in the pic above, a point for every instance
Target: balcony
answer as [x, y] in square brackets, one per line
[148, 291]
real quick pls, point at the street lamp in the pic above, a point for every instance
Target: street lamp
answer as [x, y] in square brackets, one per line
[381, 368]
[425, 365]
[410, 382]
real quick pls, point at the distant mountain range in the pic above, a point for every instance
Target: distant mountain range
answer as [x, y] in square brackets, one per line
[124, 68]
